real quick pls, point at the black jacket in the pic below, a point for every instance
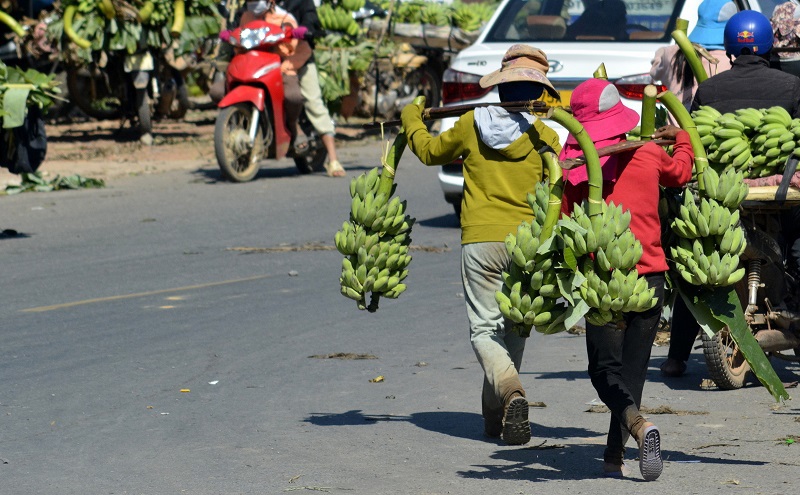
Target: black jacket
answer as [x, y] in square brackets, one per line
[750, 83]
[306, 14]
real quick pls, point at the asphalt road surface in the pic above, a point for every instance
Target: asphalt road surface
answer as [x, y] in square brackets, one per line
[172, 334]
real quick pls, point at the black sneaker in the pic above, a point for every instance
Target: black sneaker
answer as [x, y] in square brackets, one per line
[516, 427]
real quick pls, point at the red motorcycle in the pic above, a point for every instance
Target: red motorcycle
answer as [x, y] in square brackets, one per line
[251, 125]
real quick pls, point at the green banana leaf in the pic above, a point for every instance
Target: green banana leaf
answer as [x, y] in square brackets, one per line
[15, 104]
[715, 308]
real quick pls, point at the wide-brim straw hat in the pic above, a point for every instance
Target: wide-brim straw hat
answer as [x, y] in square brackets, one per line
[596, 104]
[522, 63]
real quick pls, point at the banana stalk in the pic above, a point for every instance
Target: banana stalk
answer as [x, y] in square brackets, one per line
[593, 169]
[12, 24]
[555, 176]
[107, 7]
[682, 40]
[676, 108]
[648, 126]
[600, 72]
[178, 19]
[69, 15]
[391, 159]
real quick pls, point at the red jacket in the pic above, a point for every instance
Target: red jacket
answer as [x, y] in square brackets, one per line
[639, 175]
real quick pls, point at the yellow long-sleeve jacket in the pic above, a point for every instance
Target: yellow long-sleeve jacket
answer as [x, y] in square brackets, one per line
[496, 181]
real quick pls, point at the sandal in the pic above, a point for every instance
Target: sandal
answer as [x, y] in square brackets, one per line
[300, 144]
[335, 169]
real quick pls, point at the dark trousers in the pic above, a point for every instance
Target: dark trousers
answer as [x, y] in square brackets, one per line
[618, 360]
[292, 103]
[682, 331]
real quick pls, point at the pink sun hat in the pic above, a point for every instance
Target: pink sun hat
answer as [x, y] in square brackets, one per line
[596, 105]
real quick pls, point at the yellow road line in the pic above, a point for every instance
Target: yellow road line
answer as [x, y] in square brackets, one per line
[41, 309]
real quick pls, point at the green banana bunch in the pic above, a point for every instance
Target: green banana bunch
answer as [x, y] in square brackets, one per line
[374, 242]
[728, 188]
[607, 253]
[774, 142]
[710, 238]
[467, 18]
[699, 261]
[610, 294]
[435, 14]
[756, 142]
[352, 5]
[530, 294]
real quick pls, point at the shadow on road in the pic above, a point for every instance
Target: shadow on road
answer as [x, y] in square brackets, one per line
[458, 424]
[545, 462]
[268, 170]
[448, 221]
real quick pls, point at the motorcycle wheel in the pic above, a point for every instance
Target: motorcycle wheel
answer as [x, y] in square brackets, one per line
[314, 159]
[726, 363]
[143, 112]
[93, 96]
[237, 159]
[181, 104]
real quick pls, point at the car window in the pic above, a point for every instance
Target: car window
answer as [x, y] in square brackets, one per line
[584, 20]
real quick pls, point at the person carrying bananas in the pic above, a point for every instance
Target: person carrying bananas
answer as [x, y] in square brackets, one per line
[500, 152]
[750, 83]
[619, 354]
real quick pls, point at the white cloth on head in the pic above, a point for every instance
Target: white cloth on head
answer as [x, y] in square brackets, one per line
[498, 128]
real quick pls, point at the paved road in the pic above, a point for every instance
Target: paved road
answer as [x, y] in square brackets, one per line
[141, 354]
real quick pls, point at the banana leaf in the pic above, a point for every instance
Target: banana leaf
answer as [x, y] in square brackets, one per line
[15, 104]
[715, 308]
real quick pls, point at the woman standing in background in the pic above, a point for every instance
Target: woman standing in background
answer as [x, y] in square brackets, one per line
[670, 65]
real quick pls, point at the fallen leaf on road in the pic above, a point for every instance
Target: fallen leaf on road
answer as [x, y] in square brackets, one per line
[377, 379]
[343, 355]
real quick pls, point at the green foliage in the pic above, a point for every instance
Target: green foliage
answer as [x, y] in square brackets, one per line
[720, 306]
[126, 31]
[22, 89]
[36, 183]
[347, 47]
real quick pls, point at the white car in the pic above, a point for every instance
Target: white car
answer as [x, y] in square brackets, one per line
[574, 49]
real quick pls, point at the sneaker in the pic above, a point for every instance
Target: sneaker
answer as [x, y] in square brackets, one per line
[516, 427]
[673, 368]
[650, 462]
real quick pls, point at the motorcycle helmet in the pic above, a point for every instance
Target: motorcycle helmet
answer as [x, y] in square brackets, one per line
[748, 33]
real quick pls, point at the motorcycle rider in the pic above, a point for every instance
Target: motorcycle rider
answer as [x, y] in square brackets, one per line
[305, 11]
[748, 40]
[294, 54]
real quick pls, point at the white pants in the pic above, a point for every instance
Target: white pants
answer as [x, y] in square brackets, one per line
[315, 107]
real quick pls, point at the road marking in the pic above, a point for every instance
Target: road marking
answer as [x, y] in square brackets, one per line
[41, 309]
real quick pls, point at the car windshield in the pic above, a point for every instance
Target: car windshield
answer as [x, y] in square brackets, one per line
[585, 20]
